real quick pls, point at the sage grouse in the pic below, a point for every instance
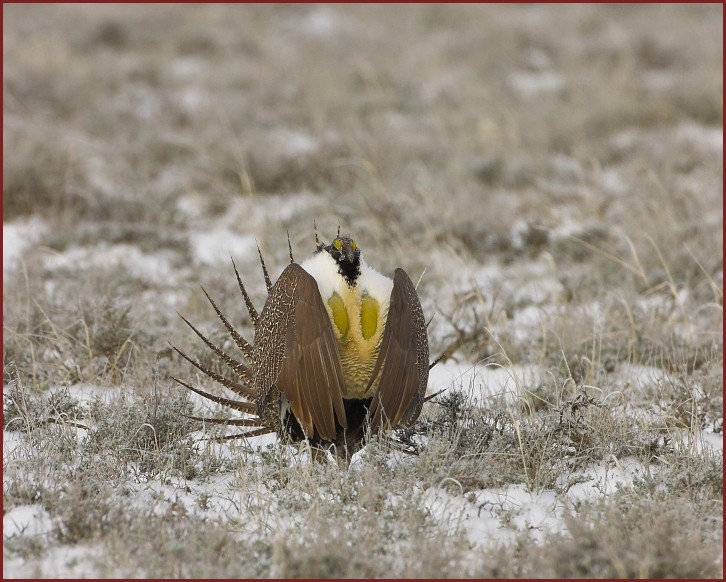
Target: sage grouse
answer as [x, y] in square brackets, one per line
[340, 352]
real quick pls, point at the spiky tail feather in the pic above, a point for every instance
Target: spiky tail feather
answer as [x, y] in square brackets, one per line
[236, 387]
[254, 316]
[241, 405]
[268, 283]
[242, 371]
[228, 421]
[239, 341]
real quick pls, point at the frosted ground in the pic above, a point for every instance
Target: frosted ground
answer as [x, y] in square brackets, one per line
[551, 176]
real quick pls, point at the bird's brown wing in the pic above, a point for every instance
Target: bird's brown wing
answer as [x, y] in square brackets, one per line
[296, 352]
[403, 359]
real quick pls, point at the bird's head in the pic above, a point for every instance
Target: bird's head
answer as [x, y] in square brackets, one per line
[346, 253]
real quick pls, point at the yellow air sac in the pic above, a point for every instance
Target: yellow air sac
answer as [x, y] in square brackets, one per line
[368, 316]
[340, 314]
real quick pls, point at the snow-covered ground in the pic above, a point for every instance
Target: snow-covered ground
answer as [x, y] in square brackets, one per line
[560, 196]
[488, 517]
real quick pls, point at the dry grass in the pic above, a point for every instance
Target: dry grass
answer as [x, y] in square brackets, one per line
[621, 538]
[556, 174]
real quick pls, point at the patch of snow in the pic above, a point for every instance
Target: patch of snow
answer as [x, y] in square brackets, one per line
[245, 214]
[27, 520]
[528, 282]
[712, 440]
[629, 376]
[567, 166]
[186, 67]
[11, 442]
[699, 136]
[495, 516]
[293, 143]
[172, 298]
[484, 383]
[538, 60]
[540, 291]
[217, 491]
[659, 79]
[86, 393]
[215, 246]
[274, 209]
[517, 233]
[18, 236]
[99, 172]
[697, 442]
[190, 205]
[605, 478]
[526, 321]
[150, 267]
[534, 83]
[655, 302]
[626, 139]
[191, 99]
[710, 138]
[58, 562]
[287, 208]
[612, 182]
[320, 22]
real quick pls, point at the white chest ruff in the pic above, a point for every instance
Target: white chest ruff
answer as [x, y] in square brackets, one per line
[358, 315]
